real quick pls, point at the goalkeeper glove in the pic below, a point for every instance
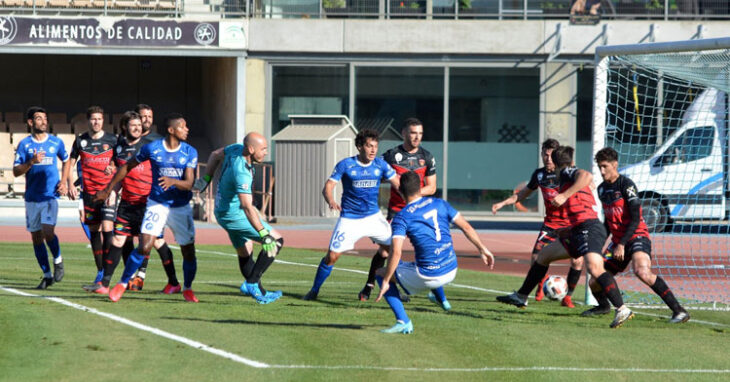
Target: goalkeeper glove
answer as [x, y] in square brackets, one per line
[201, 183]
[267, 242]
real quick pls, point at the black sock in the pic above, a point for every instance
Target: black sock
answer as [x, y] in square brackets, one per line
[663, 291]
[110, 264]
[97, 249]
[262, 264]
[601, 298]
[143, 268]
[127, 249]
[534, 275]
[610, 289]
[106, 242]
[377, 263]
[168, 264]
[573, 278]
[245, 265]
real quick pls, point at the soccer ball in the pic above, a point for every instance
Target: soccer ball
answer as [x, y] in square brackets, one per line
[555, 288]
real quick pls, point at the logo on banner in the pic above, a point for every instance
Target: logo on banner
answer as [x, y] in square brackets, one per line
[204, 34]
[8, 29]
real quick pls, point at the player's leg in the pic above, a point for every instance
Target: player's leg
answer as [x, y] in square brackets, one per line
[34, 226]
[377, 262]
[49, 215]
[168, 264]
[576, 266]
[549, 253]
[344, 235]
[108, 215]
[132, 264]
[111, 261]
[180, 221]
[92, 218]
[642, 270]
[263, 262]
[545, 237]
[403, 323]
[82, 218]
[603, 307]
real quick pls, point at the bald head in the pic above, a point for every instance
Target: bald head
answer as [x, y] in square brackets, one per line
[255, 147]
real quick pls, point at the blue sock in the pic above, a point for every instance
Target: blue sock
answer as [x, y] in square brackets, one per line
[393, 298]
[189, 270]
[323, 271]
[439, 293]
[42, 256]
[133, 262]
[99, 276]
[86, 231]
[54, 247]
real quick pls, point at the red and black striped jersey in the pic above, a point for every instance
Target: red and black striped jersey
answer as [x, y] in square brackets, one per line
[581, 206]
[94, 156]
[138, 182]
[618, 198]
[549, 184]
[421, 162]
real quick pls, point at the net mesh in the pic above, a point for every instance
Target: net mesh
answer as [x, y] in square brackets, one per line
[666, 115]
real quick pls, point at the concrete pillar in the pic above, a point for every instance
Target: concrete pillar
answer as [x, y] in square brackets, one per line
[255, 96]
[558, 91]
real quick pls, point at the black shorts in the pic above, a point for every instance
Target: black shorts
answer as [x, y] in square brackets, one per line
[586, 237]
[546, 237]
[129, 218]
[93, 214]
[638, 244]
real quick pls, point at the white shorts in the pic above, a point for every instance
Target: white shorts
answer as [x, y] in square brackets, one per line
[414, 282]
[179, 219]
[348, 231]
[40, 213]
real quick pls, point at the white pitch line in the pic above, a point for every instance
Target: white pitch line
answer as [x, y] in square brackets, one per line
[149, 329]
[494, 291]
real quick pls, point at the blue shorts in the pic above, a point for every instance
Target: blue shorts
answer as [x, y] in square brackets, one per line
[239, 229]
[42, 213]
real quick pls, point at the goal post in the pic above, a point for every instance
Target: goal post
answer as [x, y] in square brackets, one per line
[664, 108]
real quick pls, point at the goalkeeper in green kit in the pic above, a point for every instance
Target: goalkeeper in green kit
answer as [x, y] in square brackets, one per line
[236, 213]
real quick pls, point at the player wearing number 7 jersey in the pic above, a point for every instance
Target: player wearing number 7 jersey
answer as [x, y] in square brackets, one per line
[359, 213]
[425, 221]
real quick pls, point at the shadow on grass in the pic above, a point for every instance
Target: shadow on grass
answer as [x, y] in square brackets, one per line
[272, 323]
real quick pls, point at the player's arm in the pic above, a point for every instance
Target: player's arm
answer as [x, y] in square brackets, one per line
[429, 187]
[471, 234]
[214, 160]
[395, 182]
[121, 173]
[396, 248]
[268, 242]
[328, 194]
[514, 198]
[582, 178]
[23, 168]
[63, 187]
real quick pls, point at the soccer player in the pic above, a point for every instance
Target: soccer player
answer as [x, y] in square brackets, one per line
[37, 158]
[94, 149]
[546, 179]
[409, 156]
[173, 164]
[137, 282]
[585, 237]
[235, 212]
[359, 212]
[629, 236]
[426, 222]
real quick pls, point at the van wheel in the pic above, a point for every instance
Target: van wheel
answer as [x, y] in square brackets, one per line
[655, 214]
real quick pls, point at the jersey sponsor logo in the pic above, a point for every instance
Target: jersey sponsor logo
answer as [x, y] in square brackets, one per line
[171, 172]
[245, 186]
[614, 211]
[94, 159]
[367, 183]
[414, 207]
[444, 247]
[45, 162]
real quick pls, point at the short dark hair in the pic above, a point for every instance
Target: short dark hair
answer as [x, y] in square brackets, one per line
[412, 122]
[606, 154]
[410, 183]
[126, 117]
[142, 106]
[562, 156]
[93, 110]
[171, 118]
[34, 109]
[364, 135]
[550, 144]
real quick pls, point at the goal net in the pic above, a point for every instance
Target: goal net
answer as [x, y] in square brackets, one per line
[663, 107]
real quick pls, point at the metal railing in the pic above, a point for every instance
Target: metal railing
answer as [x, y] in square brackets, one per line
[384, 9]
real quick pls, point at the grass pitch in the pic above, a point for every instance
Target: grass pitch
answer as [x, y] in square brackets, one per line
[334, 338]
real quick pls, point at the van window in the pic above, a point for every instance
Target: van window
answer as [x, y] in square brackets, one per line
[693, 144]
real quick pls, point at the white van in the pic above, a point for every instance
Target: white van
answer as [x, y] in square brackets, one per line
[686, 178]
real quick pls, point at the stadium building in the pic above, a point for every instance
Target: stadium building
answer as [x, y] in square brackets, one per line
[489, 79]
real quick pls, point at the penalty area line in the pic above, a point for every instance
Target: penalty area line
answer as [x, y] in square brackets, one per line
[158, 332]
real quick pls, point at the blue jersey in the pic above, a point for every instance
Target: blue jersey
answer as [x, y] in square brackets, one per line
[171, 164]
[42, 178]
[361, 185]
[426, 222]
[236, 178]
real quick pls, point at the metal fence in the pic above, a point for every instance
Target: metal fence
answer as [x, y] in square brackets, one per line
[385, 9]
